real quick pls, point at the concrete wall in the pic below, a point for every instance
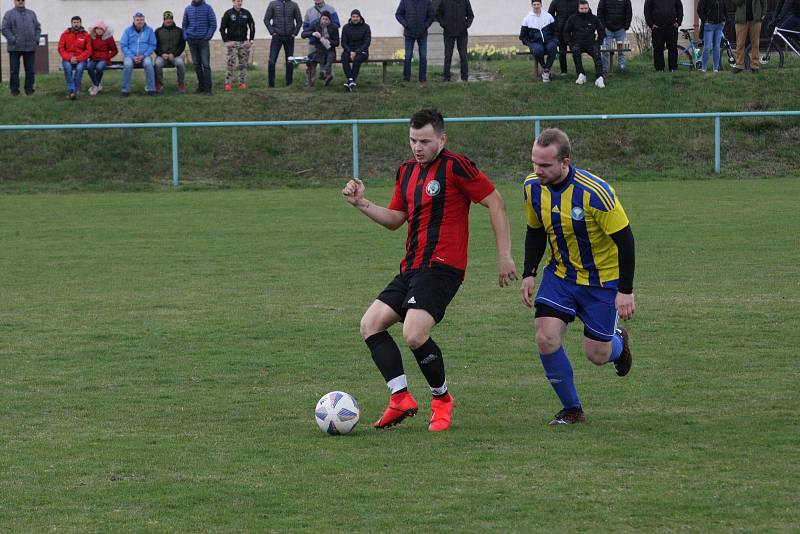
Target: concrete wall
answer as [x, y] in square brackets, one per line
[496, 21]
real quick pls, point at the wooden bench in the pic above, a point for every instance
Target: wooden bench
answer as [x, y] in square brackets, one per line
[537, 73]
[383, 61]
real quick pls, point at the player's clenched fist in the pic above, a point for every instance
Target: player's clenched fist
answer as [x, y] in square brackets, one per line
[353, 191]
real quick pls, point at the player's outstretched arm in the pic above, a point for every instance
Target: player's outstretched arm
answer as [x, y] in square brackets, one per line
[353, 193]
[502, 236]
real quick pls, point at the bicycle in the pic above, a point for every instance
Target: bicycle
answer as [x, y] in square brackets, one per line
[692, 56]
[775, 48]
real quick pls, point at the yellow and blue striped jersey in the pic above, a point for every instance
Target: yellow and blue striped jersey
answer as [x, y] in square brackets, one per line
[579, 220]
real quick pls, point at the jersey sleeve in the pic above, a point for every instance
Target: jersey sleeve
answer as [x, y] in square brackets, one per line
[530, 213]
[470, 180]
[398, 202]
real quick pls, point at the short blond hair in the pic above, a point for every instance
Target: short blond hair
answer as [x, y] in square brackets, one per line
[554, 136]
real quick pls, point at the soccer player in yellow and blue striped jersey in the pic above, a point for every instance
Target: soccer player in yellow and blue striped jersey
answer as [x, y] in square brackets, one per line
[589, 268]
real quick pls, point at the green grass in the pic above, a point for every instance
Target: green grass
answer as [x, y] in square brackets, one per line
[224, 158]
[161, 355]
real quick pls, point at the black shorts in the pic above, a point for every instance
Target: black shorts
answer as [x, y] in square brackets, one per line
[423, 289]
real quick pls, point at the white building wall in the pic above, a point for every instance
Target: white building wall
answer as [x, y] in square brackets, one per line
[492, 17]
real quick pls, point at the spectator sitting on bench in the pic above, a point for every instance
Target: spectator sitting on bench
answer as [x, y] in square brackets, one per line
[138, 43]
[103, 49]
[75, 47]
[538, 33]
[584, 33]
[356, 38]
[327, 36]
[170, 45]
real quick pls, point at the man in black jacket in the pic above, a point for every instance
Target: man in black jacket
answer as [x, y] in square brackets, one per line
[562, 10]
[664, 17]
[238, 29]
[416, 16]
[585, 32]
[616, 16]
[455, 16]
[284, 22]
[356, 38]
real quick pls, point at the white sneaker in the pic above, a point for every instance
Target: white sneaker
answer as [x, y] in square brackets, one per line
[581, 79]
[99, 88]
[546, 76]
[93, 90]
[599, 82]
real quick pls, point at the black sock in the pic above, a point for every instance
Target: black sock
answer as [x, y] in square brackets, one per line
[429, 358]
[386, 355]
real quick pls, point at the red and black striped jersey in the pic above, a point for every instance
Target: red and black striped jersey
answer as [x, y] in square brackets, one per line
[436, 198]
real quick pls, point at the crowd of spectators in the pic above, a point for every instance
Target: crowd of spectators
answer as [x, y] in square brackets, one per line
[568, 26]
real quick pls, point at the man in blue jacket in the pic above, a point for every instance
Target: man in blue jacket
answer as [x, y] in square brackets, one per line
[415, 16]
[199, 25]
[138, 43]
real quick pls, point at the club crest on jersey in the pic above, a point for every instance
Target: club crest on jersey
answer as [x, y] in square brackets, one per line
[433, 188]
[577, 213]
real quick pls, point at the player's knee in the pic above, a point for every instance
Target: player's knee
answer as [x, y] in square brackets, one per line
[548, 343]
[415, 337]
[598, 355]
[369, 326]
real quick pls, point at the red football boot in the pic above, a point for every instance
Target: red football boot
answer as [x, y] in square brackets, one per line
[401, 405]
[441, 412]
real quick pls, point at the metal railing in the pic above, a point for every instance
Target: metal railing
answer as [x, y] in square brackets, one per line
[536, 120]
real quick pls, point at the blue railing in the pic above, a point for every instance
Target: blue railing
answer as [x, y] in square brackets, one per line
[536, 120]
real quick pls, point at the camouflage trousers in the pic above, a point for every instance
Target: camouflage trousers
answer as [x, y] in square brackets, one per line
[237, 53]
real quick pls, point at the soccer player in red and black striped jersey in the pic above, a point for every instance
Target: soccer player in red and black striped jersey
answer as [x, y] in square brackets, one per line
[433, 194]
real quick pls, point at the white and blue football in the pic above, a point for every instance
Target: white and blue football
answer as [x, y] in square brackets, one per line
[337, 412]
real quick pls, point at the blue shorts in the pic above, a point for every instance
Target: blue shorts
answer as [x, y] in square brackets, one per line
[593, 305]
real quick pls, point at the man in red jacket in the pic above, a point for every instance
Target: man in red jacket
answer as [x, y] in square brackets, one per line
[75, 47]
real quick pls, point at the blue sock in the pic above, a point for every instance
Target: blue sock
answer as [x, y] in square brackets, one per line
[558, 371]
[616, 347]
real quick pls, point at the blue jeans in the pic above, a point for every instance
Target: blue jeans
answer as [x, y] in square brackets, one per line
[276, 43]
[422, 45]
[608, 43]
[29, 61]
[127, 74]
[201, 57]
[538, 50]
[73, 74]
[712, 35]
[96, 69]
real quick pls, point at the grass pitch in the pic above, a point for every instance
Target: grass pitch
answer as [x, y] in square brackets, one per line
[161, 356]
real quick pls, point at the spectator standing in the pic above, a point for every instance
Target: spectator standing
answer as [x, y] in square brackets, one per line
[748, 26]
[138, 43]
[356, 38]
[712, 13]
[312, 15]
[75, 47]
[238, 29]
[22, 30]
[416, 16]
[616, 16]
[103, 49]
[283, 23]
[170, 46]
[664, 17]
[562, 10]
[199, 25]
[455, 16]
[585, 32]
[327, 35]
[538, 33]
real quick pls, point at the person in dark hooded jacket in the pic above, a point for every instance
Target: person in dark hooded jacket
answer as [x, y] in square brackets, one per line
[664, 17]
[355, 40]
[455, 16]
[416, 16]
[585, 32]
[562, 10]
